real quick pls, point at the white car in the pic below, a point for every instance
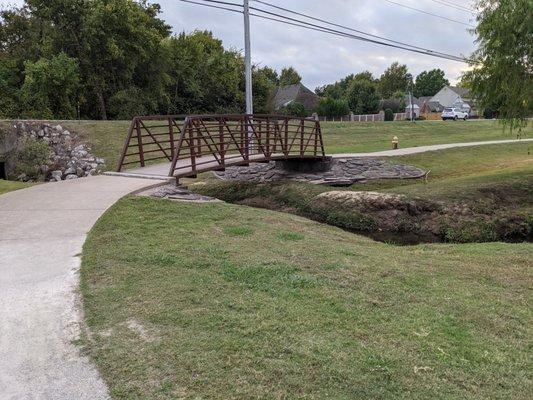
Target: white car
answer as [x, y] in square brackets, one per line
[454, 113]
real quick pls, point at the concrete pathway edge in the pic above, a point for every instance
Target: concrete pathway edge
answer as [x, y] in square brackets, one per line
[423, 149]
[42, 232]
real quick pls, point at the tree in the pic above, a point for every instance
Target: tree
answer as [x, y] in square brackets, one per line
[337, 90]
[50, 87]
[394, 78]
[502, 73]
[203, 76]
[289, 76]
[263, 84]
[362, 97]
[428, 83]
[330, 107]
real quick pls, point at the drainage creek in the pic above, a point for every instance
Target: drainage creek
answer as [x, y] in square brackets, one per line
[319, 190]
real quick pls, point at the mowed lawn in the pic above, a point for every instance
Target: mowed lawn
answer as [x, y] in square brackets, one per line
[8, 186]
[218, 301]
[350, 137]
[107, 137]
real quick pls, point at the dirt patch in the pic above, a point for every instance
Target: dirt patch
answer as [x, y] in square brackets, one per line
[135, 326]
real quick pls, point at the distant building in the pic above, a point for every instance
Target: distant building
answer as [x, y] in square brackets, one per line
[285, 95]
[427, 105]
[450, 95]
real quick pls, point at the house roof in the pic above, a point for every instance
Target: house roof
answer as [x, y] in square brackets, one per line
[285, 95]
[461, 91]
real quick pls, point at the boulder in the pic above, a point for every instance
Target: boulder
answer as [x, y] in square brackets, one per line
[56, 175]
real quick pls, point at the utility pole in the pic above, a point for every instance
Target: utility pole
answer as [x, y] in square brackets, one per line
[411, 100]
[248, 58]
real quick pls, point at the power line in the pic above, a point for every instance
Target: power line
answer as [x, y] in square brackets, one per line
[454, 5]
[350, 36]
[212, 6]
[428, 13]
[349, 28]
[306, 25]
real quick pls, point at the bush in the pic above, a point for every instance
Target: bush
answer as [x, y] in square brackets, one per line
[329, 107]
[389, 115]
[488, 113]
[295, 110]
[32, 154]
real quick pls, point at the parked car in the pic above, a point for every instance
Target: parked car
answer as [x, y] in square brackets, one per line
[454, 113]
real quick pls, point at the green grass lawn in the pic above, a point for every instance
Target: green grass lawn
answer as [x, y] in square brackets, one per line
[8, 186]
[346, 137]
[218, 301]
[106, 138]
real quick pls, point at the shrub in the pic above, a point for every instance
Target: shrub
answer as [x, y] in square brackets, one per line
[488, 113]
[330, 107]
[389, 115]
[295, 110]
[32, 154]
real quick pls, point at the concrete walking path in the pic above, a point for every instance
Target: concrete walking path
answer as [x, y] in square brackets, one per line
[422, 149]
[42, 231]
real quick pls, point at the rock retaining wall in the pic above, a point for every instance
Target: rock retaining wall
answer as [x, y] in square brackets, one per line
[70, 157]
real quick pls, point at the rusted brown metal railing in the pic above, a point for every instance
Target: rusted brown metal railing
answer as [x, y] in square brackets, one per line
[201, 143]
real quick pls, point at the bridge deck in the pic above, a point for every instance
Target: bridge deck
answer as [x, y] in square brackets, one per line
[207, 163]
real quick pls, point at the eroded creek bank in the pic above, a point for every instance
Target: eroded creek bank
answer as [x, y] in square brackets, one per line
[382, 216]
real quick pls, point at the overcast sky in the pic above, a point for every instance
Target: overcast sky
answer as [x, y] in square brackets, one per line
[322, 58]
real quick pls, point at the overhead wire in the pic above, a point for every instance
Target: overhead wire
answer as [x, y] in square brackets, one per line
[307, 25]
[348, 28]
[429, 13]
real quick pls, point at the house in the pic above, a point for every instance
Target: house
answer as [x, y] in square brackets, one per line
[450, 96]
[427, 105]
[285, 95]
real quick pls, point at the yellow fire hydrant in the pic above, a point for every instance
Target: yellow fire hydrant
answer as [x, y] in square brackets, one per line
[395, 143]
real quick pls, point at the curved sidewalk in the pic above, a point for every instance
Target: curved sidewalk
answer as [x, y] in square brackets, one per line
[42, 231]
[423, 149]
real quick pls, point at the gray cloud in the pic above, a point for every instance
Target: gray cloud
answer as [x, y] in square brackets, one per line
[321, 58]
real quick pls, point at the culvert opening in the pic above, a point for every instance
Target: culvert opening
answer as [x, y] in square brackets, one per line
[3, 172]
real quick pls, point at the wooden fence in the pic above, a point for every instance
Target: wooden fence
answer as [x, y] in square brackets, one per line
[363, 118]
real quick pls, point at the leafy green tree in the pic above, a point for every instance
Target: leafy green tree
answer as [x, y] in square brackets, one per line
[289, 76]
[264, 82]
[362, 97]
[9, 93]
[502, 73]
[204, 77]
[330, 107]
[428, 83]
[395, 78]
[50, 87]
[338, 89]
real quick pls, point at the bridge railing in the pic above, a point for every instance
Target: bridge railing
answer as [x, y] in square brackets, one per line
[211, 142]
[151, 139]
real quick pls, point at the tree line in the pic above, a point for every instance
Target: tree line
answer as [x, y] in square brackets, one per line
[362, 92]
[101, 59]
[113, 59]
